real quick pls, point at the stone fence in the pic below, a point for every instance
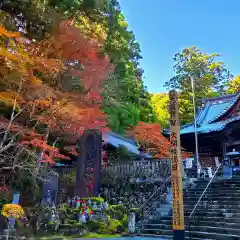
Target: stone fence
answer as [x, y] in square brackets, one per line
[147, 168]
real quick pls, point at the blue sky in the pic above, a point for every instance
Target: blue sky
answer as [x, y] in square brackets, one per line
[165, 27]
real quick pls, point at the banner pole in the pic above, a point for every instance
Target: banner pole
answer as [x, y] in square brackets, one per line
[176, 169]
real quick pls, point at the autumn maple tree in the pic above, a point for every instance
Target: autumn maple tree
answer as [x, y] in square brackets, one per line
[149, 135]
[78, 88]
[18, 67]
[50, 92]
[150, 138]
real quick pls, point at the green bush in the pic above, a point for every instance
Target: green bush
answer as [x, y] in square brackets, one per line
[118, 207]
[94, 226]
[125, 221]
[115, 226]
[134, 210]
[51, 223]
[104, 229]
[79, 224]
[108, 211]
[117, 211]
[69, 221]
[65, 225]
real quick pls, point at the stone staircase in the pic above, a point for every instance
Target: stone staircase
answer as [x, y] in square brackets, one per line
[217, 216]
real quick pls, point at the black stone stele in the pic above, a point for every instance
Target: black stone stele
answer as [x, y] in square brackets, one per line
[89, 164]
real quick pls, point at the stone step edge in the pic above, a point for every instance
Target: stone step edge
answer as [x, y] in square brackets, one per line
[194, 226]
[170, 236]
[160, 224]
[198, 232]
[186, 218]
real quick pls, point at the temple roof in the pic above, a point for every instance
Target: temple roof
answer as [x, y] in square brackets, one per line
[209, 118]
[117, 141]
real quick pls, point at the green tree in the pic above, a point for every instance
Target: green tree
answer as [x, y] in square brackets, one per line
[210, 78]
[96, 19]
[233, 85]
[160, 103]
[38, 18]
[128, 88]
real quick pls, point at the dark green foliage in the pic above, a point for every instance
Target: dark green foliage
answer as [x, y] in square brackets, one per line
[126, 100]
[29, 187]
[116, 222]
[38, 18]
[210, 78]
[34, 17]
[113, 226]
[95, 226]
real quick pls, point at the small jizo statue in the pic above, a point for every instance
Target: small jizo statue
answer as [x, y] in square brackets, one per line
[73, 203]
[106, 205]
[78, 202]
[94, 206]
[83, 218]
[89, 202]
[100, 205]
[69, 202]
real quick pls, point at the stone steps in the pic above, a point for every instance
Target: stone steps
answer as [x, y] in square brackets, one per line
[225, 223]
[215, 198]
[212, 212]
[215, 188]
[219, 220]
[204, 218]
[218, 209]
[204, 228]
[170, 237]
[195, 234]
[214, 194]
[228, 202]
[222, 209]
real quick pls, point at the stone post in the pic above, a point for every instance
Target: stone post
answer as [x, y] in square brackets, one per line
[131, 222]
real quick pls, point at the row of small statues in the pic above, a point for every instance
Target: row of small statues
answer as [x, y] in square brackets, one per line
[77, 202]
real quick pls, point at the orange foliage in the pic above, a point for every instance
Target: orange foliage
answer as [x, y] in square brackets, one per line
[30, 138]
[80, 111]
[65, 113]
[8, 34]
[150, 136]
[76, 47]
[49, 153]
[19, 57]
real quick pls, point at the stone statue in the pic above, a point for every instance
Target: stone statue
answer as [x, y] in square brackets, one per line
[94, 205]
[83, 218]
[106, 205]
[78, 203]
[131, 222]
[89, 202]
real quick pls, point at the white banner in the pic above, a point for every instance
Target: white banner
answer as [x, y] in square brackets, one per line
[189, 162]
[217, 161]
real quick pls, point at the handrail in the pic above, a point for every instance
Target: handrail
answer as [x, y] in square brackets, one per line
[147, 201]
[199, 200]
[154, 193]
